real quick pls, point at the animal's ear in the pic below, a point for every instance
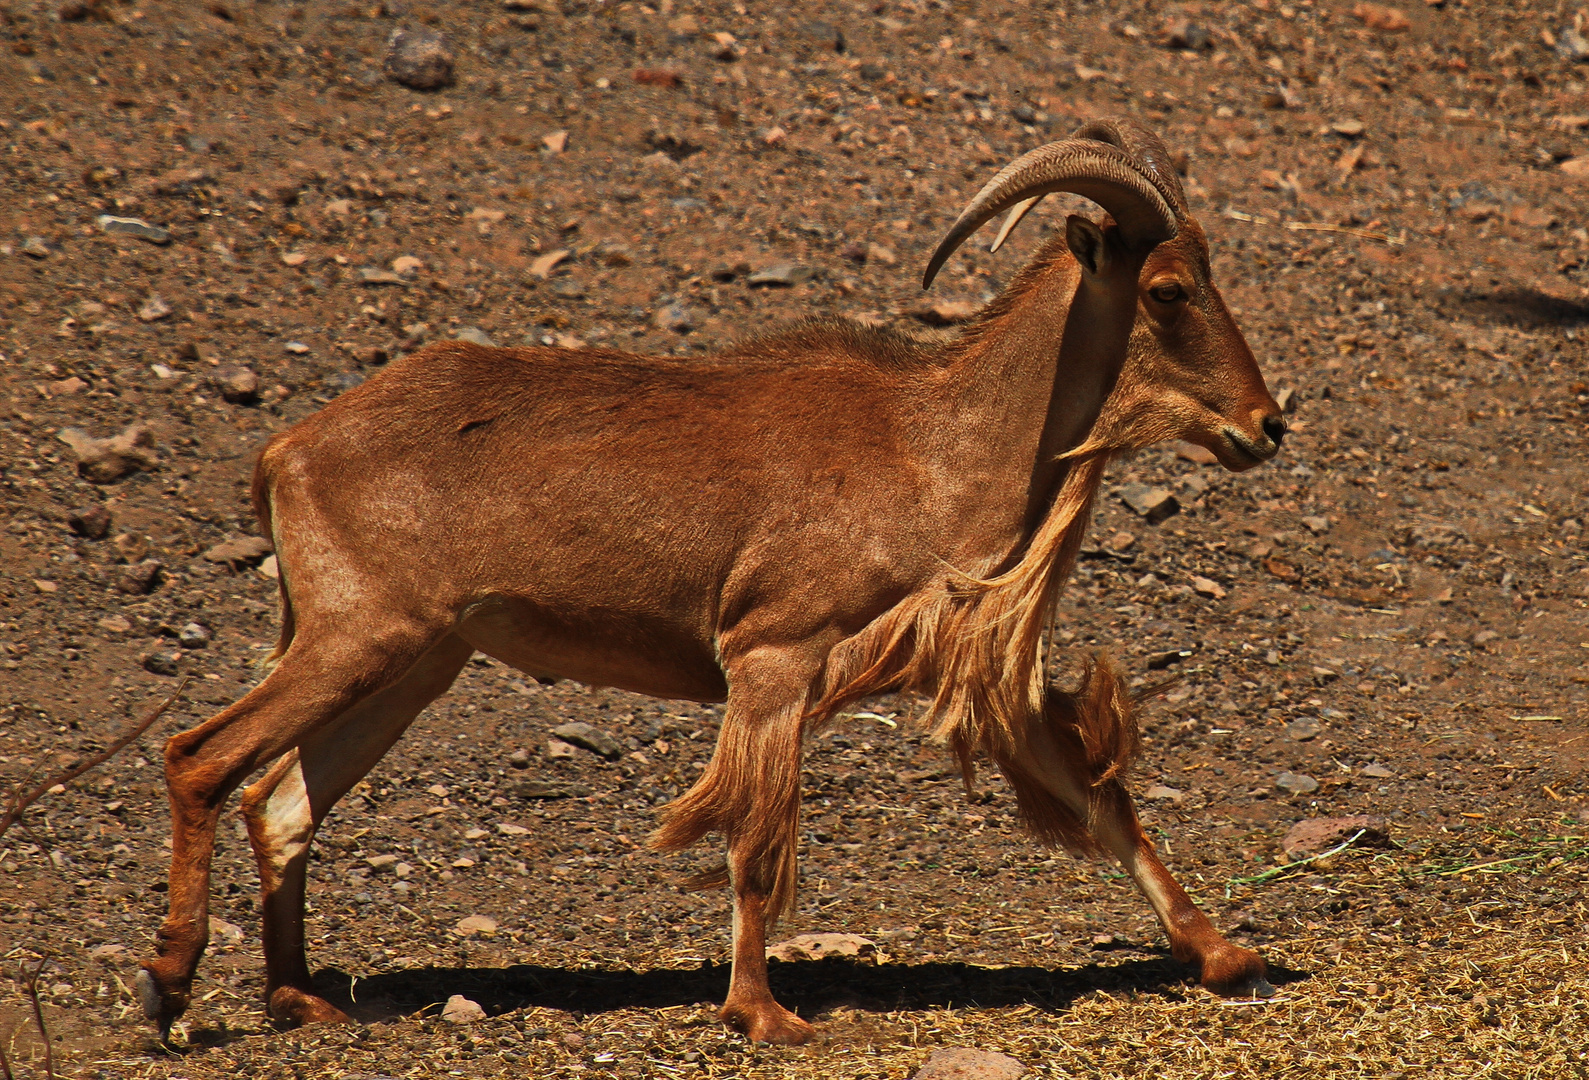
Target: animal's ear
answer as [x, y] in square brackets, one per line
[1086, 243]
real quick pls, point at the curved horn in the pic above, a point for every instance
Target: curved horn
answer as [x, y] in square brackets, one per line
[1096, 169]
[1144, 146]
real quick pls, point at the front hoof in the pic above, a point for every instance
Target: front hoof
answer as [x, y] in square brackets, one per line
[1237, 973]
[161, 1005]
[292, 1007]
[768, 1022]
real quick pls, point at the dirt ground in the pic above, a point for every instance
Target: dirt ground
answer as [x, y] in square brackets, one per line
[1396, 608]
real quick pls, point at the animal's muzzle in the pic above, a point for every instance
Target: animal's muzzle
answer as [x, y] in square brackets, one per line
[1274, 426]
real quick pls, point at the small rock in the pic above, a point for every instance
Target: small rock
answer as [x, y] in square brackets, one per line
[140, 578]
[153, 310]
[781, 275]
[161, 662]
[114, 624]
[878, 253]
[124, 226]
[1287, 400]
[236, 384]
[1208, 587]
[381, 863]
[1160, 791]
[1304, 729]
[1296, 783]
[1122, 542]
[477, 924]
[1320, 834]
[1572, 46]
[297, 348]
[675, 317]
[824, 34]
[44, 586]
[1179, 32]
[226, 932]
[1189, 451]
[460, 1010]
[963, 1063]
[568, 289]
[519, 759]
[1379, 17]
[659, 77]
[419, 59]
[550, 789]
[109, 953]
[1484, 637]
[1349, 129]
[90, 522]
[1160, 660]
[35, 247]
[774, 136]
[104, 460]
[1318, 526]
[374, 275]
[593, 739]
[193, 636]
[821, 946]
[558, 750]
[945, 312]
[1154, 504]
[1376, 772]
[542, 265]
[556, 142]
[475, 336]
[293, 258]
[407, 264]
[240, 550]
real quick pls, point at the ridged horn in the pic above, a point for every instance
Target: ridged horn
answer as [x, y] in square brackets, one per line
[1145, 147]
[1096, 169]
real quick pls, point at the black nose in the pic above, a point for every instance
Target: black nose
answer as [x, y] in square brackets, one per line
[1275, 428]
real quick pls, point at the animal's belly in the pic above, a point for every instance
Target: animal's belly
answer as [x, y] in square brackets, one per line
[608, 649]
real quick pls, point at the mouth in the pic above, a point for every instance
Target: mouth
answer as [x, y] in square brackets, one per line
[1247, 452]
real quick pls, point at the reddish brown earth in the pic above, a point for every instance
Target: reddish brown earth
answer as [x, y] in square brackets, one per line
[1397, 220]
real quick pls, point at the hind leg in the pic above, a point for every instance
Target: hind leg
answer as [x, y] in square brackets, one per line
[285, 807]
[320, 676]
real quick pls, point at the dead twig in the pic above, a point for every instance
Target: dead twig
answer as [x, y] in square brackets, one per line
[20, 802]
[1309, 226]
[32, 984]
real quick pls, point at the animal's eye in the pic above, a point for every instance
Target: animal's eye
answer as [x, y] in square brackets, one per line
[1167, 294]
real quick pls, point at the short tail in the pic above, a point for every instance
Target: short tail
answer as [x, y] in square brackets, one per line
[260, 493]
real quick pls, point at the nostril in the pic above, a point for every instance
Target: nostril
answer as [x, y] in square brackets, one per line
[1275, 428]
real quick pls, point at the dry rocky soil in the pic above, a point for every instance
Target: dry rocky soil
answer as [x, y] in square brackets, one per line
[1390, 619]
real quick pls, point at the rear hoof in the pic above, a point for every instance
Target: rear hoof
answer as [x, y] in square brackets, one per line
[768, 1022]
[160, 1006]
[293, 1007]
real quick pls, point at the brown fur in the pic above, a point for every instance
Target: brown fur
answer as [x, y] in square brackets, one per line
[809, 517]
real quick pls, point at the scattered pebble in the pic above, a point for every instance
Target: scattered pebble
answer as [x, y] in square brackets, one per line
[822, 946]
[964, 1063]
[579, 733]
[1318, 526]
[36, 247]
[519, 759]
[90, 522]
[1153, 504]
[475, 336]
[124, 226]
[1208, 587]
[236, 384]
[1484, 637]
[1376, 772]
[374, 275]
[103, 460]
[1296, 783]
[1304, 729]
[945, 312]
[419, 59]
[140, 578]
[242, 549]
[477, 924]
[781, 275]
[1162, 792]
[153, 310]
[162, 662]
[1314, 835]
[460, 1010]
[193, 636]
[676, 318]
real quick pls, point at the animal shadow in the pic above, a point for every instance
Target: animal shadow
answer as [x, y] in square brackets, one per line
[1524, 307]
[812, 988]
